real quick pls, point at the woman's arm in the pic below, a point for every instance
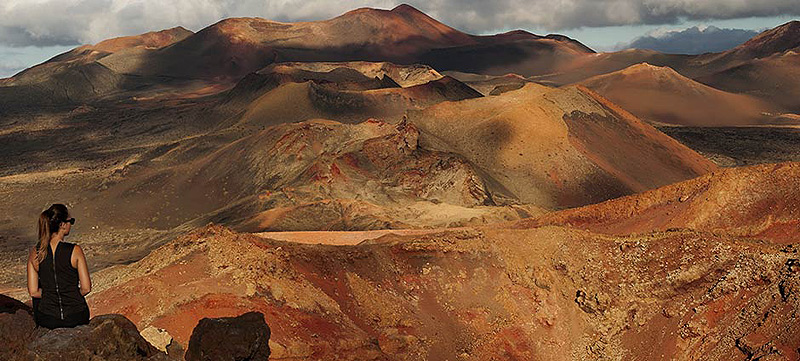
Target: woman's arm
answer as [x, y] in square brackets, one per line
[83, 271]
[33, 277]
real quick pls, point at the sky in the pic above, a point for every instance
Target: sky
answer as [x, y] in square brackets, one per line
[32, 31]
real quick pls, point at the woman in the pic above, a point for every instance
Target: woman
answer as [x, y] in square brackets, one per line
[58, 278]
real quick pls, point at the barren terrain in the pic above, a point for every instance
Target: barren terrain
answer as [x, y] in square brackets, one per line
[383, 186]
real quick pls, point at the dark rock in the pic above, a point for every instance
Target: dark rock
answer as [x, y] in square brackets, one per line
[16, 328]
[242, 338]
[11, 305]
[106, 337]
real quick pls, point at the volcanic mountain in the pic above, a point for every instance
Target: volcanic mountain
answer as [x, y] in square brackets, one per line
[349, 91]
[232, 48]
[661, 95]
[759, 67]
[701, 67]
[78, 75]
[557, 147]
[374, 210]
[778, 40]
[764, 78]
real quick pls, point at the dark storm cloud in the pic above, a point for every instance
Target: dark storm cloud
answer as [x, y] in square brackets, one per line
[481, 16]
[694, 40]
[63, 22]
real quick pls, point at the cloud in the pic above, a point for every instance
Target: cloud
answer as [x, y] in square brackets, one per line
[15, 59]
[9, 65]
[71, 22]
[9, 70]
[694, 40]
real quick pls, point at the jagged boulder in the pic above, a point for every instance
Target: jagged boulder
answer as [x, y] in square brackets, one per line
[242, 338]
[106, 337]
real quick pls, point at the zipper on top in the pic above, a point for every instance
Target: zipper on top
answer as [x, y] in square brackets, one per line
[60, 308]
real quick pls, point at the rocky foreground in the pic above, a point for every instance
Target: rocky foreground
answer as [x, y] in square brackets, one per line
[585, 283]
[114, 337]
[471, 294]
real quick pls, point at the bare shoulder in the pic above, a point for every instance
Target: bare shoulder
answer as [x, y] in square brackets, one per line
[32, 259]
[77, 251]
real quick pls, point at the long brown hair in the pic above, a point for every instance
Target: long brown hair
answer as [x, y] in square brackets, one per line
[49, 223]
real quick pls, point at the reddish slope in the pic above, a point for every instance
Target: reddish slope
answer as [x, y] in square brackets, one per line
[234, 47]
[237, 46]
[661, 95]
[475, 294]
[85, 73]
[760, 201]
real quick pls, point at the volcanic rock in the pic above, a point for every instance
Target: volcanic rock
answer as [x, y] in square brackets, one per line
[17, 328]
[483, 293]
[108, 337]
[245, 337]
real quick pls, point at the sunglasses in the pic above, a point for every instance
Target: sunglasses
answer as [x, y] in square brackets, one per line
[70, 221]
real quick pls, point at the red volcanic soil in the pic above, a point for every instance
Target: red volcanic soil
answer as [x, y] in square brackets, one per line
[758, 202]
[523, 53]
[661, 95]
[476, 294]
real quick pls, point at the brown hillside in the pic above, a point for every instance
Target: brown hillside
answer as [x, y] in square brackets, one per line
[758, 201]
[764, 78]
[557, 147]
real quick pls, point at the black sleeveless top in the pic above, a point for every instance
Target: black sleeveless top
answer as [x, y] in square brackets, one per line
[61, 295]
